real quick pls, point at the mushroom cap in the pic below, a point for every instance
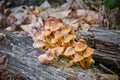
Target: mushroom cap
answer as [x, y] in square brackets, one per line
[53, 24]
[59, 50]
[66, 29]
[36, 11]
[37, 34]
[80, 46]
[71, 63]
[91, 61]
[42, 59]
[50, 54]
[38, 44]
[77, 57]
[69, 51]
[68, 38]
[58, 35]
[82, 40]
[88, 52]
[53, 40]
[45, 32]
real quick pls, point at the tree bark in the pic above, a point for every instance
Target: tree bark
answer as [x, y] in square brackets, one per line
[107, 46]
[23, 59]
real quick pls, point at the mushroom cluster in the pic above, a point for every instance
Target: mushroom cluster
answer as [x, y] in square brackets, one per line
[58, 39]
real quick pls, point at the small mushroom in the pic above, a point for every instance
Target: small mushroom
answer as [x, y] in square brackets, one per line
[42, 59]
[68, 38]
[80, 46]
[37, 35]
[69, 51]
[59, 50]
[58, 35]
[71, 63]
[66, 29]
[88, 52]
[82, 40]
[53, 24]
[38, 44]
[45, 32]
[54, 40]
[77, 57]
[50, 54]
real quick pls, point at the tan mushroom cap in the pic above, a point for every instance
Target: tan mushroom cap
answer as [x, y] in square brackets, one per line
[77, 57]
[80, 46]
[71, 62]
[58, 35]
[88, 52]
[56, 25]
[53, 40]
[69, 51]
[82, 40]
[38, 44]
[37, 34]
[45, 32]
[50, 54]
[66, 29]
[68, 38]
[53, 24]
[42, 59]
[91, 61]
[59, 50]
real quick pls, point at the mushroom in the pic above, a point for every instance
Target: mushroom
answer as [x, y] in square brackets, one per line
[68, 38]
[71, 62]
[82, 40]
[58, 35]
[66, 29]
[38, 44]
[88, 52]
[42, 59]
[50, 54]
[80, 46]
[59, 50]
[89, 62]
[69, 51]
[54, 40]
[77, 57]
[53, 24]
[37, 36]
[45, 32]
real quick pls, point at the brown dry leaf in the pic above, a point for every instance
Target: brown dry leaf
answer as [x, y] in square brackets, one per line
[60, 14]
[27, 28]
[85, 27]
[82, 12]
[45, 5]
[3, 62]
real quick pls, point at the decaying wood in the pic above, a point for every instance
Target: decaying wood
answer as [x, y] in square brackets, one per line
[23, 60]
[107, 46]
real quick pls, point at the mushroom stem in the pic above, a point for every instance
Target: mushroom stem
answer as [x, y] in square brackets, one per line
[47, 40]
[42, 49]
[82, 65]
[72, 57]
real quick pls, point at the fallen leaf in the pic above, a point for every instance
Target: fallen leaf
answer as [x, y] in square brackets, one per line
[60, 14]
[3, 62]
[45, 5]
[27, 28]
[85, 27]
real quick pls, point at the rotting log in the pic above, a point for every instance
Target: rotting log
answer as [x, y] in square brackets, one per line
[23, 59]
[107, 46]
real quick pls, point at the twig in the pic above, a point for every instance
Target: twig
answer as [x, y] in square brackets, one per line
[105, 68]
